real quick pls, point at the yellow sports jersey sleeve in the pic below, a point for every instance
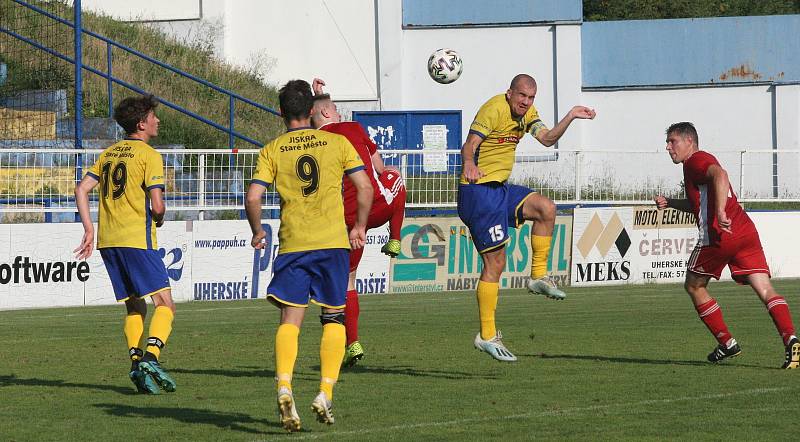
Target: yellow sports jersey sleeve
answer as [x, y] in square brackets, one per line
[306, 167]
[126, 172]
[500, 133]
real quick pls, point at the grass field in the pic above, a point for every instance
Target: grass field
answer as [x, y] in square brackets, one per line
[607, 363]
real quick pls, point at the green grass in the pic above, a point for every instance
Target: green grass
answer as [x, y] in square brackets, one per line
[608, 363]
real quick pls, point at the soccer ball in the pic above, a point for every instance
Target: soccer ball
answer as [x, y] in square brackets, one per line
[445, 66]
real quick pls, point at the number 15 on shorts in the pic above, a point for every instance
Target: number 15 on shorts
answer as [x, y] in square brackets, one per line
[496, 232]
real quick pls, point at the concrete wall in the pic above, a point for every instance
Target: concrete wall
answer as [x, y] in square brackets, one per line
[280, 40]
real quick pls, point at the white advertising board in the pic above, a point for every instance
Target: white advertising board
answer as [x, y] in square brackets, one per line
[780, 241]
[5, 266]
[225, 266]
[631, 245]
[39, 269]
[372, 275]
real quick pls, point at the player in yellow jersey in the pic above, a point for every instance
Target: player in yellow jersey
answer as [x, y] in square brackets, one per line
[131, 205]
[306, 167]
[488, 205]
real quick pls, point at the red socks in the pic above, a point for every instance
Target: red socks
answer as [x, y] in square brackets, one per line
[351, 312]
[398, 213]
[779, 310]
[711, 315]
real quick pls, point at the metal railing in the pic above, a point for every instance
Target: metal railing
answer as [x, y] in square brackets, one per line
[42, 180]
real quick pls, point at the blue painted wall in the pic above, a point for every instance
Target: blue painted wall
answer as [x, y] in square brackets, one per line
[691, 51]
[434, 13]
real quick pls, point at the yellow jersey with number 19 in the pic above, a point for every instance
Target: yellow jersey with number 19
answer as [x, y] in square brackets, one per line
[126, 172]
[307, 165]
[500, 133]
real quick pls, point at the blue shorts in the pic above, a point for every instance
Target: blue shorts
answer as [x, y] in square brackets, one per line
[316, 275]
[134, 273]
[488, 209]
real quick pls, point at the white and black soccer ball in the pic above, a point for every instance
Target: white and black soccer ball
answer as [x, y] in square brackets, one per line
[445, 66]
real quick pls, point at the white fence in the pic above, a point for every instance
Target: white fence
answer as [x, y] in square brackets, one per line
[42, 180]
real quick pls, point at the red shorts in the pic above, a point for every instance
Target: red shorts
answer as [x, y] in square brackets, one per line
[391, 188]
[743, 255]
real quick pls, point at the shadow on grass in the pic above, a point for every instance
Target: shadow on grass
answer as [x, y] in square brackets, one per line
[8, 380]
[415, 372]
[224, 420]
[243, 372]
[262, 373]
[625, 360]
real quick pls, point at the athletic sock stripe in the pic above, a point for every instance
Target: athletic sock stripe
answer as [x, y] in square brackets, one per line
[776, 301]
[709, 310]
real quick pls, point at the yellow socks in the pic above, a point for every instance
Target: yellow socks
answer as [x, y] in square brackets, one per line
[160, 328]
[331, 353]
[134, 329]
[286, 353]
[487, 304]
[541, 250]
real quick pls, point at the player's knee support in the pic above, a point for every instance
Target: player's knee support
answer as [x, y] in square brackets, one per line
[332, 318]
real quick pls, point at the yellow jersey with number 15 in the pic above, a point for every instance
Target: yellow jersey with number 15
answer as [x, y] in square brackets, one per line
[126, 172]
[500, 133]
[306, 166]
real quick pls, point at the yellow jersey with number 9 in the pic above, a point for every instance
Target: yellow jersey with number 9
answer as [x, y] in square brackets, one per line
[126, 172]
[500, 133]
[307, 166]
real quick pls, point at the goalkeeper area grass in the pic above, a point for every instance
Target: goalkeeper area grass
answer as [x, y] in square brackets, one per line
[620, 363]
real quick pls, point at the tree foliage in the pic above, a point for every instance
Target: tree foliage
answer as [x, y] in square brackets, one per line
[600, 10]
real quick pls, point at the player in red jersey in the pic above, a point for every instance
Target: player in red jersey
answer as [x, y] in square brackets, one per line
[727, 237]
[388, 205]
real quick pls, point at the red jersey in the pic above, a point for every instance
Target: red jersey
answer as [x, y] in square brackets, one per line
[365, 148]
[702, 199]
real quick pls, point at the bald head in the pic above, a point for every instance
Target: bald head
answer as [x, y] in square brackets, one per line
[520, 94]
[522, 81]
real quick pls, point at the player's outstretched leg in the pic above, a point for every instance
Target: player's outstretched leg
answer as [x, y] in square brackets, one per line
[287, 410]
[792, 354]
[323, 408]
[722, 352]
[495, 347]
[392, 180]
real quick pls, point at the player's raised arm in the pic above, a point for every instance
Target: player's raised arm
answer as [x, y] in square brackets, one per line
[317, 84]
[469, 168]
[548, 137]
